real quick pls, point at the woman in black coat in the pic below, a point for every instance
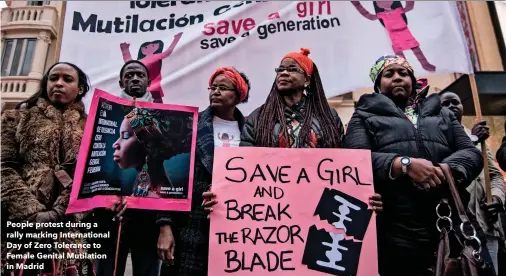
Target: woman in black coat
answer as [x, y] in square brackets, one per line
[408, 138]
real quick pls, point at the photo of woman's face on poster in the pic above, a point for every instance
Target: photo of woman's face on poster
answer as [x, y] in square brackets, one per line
[140, 152]
[127, 148]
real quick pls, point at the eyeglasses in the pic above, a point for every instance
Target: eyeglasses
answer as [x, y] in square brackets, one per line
[289, 70]
[220, 88]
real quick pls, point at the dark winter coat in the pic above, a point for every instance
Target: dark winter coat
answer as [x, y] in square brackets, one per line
[408, 221]
[36, 143]
[191, 231]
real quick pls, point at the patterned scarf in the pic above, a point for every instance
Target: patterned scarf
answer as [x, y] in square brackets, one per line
[294, 117]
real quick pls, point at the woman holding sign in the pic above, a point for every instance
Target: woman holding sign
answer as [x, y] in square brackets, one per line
[40, 143]
[227, 88]
[296, 113]
[408, 135]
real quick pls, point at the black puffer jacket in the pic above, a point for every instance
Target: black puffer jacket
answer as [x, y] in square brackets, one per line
[297, 112]
[408, 220]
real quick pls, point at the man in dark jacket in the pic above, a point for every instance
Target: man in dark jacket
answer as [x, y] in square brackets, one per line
[408, 137]
[146, 234]
[486, 214]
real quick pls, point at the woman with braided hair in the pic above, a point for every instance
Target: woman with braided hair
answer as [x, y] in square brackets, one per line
[296, 113]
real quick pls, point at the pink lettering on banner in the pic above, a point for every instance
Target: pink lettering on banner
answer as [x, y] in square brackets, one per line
[292, 212]
[273, 16]
[224, 27]
[311, 8]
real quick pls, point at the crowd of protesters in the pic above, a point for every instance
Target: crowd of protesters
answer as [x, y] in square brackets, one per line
[408, 132]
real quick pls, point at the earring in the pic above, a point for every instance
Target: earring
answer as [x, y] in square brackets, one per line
[142, 182]
[305, 89]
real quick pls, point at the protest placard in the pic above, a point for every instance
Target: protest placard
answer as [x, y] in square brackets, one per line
[141, 151]
[292, 212]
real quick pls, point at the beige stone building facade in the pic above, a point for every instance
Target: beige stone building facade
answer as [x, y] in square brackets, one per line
[31, 31]
[491, 52]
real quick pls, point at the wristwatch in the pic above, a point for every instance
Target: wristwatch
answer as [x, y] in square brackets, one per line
[474, 139]
[405, 162]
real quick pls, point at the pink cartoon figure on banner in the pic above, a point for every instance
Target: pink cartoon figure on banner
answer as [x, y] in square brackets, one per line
[151, 54]
[392, 15]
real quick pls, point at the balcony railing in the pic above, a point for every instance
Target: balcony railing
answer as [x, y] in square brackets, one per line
[33, 17]
[15, 89]
[13, 85]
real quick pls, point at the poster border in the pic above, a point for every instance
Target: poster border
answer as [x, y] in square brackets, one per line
[105, 201]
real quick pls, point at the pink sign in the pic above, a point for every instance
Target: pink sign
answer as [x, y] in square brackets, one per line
[144, 152]
[292, 212]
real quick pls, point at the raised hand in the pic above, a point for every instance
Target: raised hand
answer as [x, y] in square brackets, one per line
[124, 46]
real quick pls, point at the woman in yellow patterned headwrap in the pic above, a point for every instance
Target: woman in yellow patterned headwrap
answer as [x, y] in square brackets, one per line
[409, 136]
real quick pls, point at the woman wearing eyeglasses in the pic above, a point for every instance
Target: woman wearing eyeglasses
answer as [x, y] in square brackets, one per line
[218, 126]
[296, 113]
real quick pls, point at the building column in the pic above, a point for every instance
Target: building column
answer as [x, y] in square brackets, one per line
[39, 61]
[1, 49]
[2, 42]
[484, 36]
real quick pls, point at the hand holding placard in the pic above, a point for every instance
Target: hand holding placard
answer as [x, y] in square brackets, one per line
[119, 208]
[376, 203]
[209, 201]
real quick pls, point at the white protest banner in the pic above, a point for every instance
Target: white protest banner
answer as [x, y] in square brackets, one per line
[184, 42]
